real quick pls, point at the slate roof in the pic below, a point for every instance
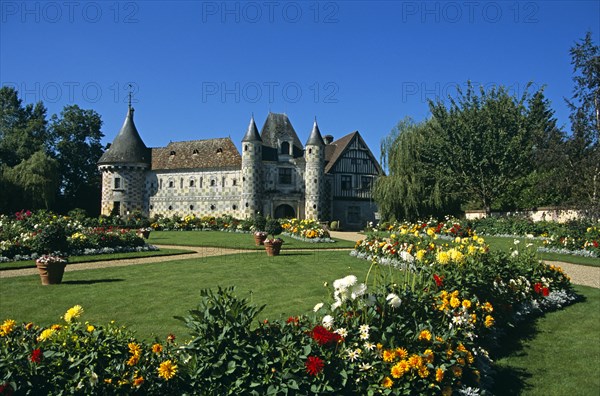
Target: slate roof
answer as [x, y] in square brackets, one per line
[197, 154]
[277, 126]
[128, 146]
[252, 133]
[315, 137]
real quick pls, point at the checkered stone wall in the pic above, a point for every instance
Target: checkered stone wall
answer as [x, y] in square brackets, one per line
[123, 188]
[314, 182]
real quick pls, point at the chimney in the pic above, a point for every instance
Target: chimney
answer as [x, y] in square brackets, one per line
[328, 139]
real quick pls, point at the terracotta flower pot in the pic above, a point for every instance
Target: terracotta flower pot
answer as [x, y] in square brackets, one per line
[259, 239]
[273, 247]
[51, 273]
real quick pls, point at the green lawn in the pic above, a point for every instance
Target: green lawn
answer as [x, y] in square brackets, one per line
[99, 257]
[558, 355]
[146, 297]
[507, 243]
[233, 240]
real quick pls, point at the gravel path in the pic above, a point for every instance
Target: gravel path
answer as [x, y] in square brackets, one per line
[580, 274]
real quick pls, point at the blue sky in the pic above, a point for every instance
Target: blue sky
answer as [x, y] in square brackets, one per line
[199, 69]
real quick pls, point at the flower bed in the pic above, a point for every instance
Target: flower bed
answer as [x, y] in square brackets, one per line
[27, 235]
[429, 328]
[306, 230]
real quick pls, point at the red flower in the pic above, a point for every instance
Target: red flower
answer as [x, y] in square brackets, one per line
[314, 365]
[6, 389]
[545, 292]
[537, 288]
[439, 280]
[323, 336]
[293, 320]
[171, 338]
[36, 356]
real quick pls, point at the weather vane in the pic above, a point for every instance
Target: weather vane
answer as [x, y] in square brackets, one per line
[130, 92]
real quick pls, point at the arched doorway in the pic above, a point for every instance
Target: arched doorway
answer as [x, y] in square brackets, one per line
[284, 211]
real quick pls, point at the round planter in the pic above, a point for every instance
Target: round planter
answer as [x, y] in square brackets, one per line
[51, 274]
[259, 239]
[273, 248]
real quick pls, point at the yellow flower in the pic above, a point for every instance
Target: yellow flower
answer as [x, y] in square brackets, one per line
[73, 313]
[387, 382]
[466, 304]
[457, 371]
[454, 302]
[7, 327]
[425, 335]
[415, 361]
[400, 369]
[428, 356]
[402, 353]
[167, 370]
[439, 375]
[431, 231]
[489, 321]
[90, 328]
[389, 355]
[456, 256]
[46, 334]
[133, 360]
[423, 372]
[134, 348]
[157, 348]
[487, 307]
[442, 257]
[420, 254]
[138, 381]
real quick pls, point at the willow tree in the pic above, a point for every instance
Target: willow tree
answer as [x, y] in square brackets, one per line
[415, 185]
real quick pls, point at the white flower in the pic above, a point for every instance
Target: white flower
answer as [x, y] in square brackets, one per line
[404, 255]
[515, 253]
[358, 290]
[336, 304]
[328, 321]
[365, 367]
[393, 300]
[353, 354]
[344, 283]
[369, 346]
[342, 332]
[364, 328]
[516, 242]
[364, 336]
[317, 307]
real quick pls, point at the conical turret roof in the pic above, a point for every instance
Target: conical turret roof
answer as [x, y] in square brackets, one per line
[128, 146]
[315, 138]
[252, 134]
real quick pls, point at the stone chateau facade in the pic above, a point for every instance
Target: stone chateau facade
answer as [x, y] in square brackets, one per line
[275, 175]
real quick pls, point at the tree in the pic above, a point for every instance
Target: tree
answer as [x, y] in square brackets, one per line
[583, 146]
[488, 142]
[76, 134]
[34, 181]
[415, 186]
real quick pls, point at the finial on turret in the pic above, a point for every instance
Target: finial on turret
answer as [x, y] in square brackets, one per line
[129, 94]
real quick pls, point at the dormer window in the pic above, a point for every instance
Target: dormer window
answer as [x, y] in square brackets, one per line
[219, 150]
[172, 154]
[195, 152]
[285, 148]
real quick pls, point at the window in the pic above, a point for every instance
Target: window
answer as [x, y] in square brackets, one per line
[365, 182]
[117, 182]
[234, 207]
[346, 182]
[212, 207]
[219, 150]
[245, 147]
[172, 153]
[171, 184]
[191, 207]
[191, 182]
[353, 214]
[195, 152]
[285, 148]
[234, 182]
[201, 179]
[285, 175]
[181, 183]
[223, 181]
[213, 182]
[160, 184]
[116, 208]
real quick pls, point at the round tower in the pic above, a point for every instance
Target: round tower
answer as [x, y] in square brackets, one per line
[251, 171]
[123, 167]
[314, 177]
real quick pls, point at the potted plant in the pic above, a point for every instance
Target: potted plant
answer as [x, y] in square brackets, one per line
[259, 229]
[51, 268]
[273, 244]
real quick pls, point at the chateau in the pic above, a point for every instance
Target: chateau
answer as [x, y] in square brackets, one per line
[275, 175]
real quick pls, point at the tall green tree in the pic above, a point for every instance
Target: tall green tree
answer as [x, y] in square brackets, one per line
[33, 181]
[488, 143]
[583, 147]
[77, 135]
